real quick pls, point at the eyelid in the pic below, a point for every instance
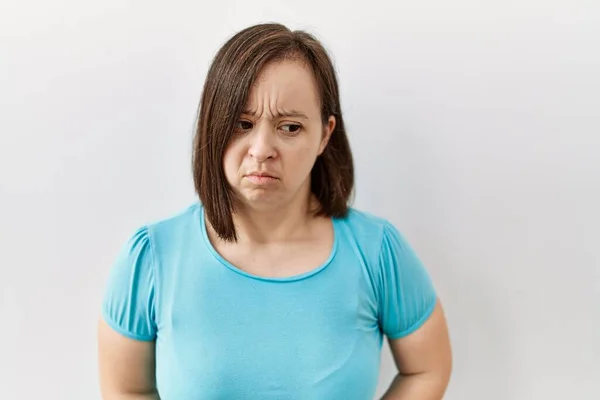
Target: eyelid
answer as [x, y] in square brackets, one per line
[282, 123]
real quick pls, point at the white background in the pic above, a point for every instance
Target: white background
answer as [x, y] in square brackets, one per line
[475, 126]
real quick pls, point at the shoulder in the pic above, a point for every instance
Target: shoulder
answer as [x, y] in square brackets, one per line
[367, 228]
[175, 227]
[158, 237]
[378, 239]
[368, 235]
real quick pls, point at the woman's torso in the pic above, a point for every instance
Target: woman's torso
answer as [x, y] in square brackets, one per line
[226, 334]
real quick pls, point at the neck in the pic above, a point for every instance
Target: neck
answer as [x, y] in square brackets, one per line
[273, 225]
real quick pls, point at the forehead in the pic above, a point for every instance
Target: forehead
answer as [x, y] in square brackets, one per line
[288, 84]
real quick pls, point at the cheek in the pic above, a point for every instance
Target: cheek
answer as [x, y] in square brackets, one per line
[300, 162]
[231, 162]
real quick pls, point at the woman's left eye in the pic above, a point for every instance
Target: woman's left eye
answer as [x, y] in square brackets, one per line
[291, 129]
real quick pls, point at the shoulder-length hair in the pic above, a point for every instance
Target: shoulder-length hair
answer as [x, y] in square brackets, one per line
[229, 80]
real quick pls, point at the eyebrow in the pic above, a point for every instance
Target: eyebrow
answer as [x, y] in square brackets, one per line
[288, 114]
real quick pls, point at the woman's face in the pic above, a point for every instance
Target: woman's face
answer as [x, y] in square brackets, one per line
[277, 138]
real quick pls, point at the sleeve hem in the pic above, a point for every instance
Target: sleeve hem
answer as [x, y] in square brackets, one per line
[131, 335]
[416, 325]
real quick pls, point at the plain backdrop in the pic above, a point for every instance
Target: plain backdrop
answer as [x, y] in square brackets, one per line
[475, 127]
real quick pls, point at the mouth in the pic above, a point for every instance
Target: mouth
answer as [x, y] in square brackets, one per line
[262, 174]
[261, 178]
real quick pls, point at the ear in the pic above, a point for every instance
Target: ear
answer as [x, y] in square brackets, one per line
[327, 131]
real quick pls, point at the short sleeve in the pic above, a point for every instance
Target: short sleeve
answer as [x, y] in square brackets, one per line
[407, 296]
[128, 304]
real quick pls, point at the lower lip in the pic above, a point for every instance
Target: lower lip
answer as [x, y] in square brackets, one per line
[260, 180]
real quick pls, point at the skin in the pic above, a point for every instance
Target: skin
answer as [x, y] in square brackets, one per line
[126, 366]
[280, 134]
[424, 361]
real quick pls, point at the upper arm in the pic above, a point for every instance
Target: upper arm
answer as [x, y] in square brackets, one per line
[411, 315]
[426, 350]
[126, 366]
[127, 327]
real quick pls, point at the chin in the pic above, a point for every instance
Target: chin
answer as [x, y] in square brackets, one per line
[261, 199]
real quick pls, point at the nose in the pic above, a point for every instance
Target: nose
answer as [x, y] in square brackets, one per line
[261, 143]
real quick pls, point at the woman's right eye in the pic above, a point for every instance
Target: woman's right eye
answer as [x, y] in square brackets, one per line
[243, 126]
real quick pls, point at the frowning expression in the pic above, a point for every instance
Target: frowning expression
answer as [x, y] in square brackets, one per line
[277, 138]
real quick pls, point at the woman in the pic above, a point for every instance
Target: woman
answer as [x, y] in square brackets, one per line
[271, 286]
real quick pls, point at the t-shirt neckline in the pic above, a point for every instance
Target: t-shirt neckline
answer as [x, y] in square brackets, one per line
[292, 278]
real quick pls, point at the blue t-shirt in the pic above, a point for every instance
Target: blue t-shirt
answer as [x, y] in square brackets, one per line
[222, 333]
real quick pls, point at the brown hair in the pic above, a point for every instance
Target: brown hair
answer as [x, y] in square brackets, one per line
[230, 77]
